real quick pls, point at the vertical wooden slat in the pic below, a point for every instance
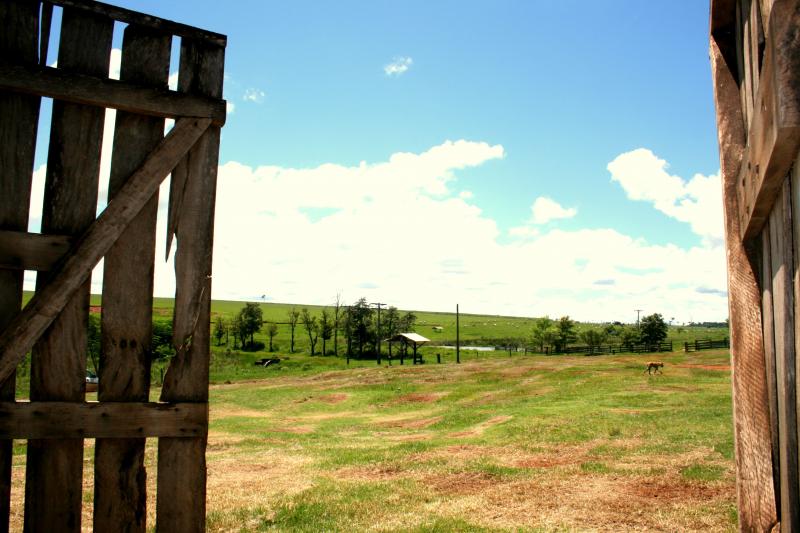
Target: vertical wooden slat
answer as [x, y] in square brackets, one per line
[769, 355]
[181, 461]
[783, 310]
[19, 117]
[120, 477]
[754, 487]
[53, 490]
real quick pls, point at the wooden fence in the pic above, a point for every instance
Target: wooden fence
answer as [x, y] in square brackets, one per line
[705, 344]
[665, 346]
[755, 62]
[53, 326]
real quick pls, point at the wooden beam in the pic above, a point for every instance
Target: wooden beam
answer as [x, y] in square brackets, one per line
[120, 496]
[83, 420]
[181, 498]
[20, 250]
[142, 19]
[19, 118]
[755, 484]
[104, 92]
[20, 335]
[773, 138]
[54, 469]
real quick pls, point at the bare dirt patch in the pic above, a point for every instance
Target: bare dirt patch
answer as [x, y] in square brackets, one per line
[420, 397]
[676, 490]
[721, 368]
[296, 430]
[333, 398]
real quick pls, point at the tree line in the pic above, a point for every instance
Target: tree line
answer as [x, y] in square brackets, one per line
[360, 325]
[556, 335]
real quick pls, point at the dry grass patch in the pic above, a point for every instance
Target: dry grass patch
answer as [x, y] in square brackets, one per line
[483, 426]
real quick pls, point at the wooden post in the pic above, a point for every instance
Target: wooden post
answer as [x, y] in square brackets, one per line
[19, 118]
[54, 469]
[181, 502]
[458, 341]
[120, 479]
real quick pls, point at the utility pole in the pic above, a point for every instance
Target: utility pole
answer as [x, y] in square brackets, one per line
[379, 305]
[458, 339]
[637, 316]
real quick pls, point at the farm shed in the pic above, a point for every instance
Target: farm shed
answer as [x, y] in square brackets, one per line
[755, 61]
[415, 340]
[53, 325]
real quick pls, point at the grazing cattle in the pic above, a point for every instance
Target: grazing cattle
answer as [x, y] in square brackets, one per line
[655, 365]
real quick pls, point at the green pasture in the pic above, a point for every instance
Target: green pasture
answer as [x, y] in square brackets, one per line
[528, 443]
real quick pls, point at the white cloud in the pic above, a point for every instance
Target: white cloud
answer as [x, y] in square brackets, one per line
[697, 202]
[230, 107]
[399, 231]
[254, 95]
[172, 82]
[546, 209]
[116, 60]
[398, 66]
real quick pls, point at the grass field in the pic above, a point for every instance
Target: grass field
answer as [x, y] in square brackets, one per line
[527, 443]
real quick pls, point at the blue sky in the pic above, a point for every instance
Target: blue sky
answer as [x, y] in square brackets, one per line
[432, 128]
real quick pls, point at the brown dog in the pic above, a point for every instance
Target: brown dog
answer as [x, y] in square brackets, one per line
[655, 365]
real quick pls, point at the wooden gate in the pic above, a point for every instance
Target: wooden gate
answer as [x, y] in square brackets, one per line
[53, 325]
[755, 59]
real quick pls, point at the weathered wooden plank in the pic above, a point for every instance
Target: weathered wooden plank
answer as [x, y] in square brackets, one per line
[54, 469]
[769, 355]
[744, 60]
[120, 478]
[774, 135]
[755, 489]
[781, 253]
[142, 19]
[181, 496]
[19, 117]
[27, 326]
[105, 92]
[21, 250]
[124, 420]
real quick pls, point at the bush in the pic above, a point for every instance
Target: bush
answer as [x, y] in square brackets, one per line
[255, 346]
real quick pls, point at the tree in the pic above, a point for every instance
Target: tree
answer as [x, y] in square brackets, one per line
[337, 312]
[325, 328]
[294, 316]
[628, 336]
[219, 329]
[360, 324]
[93, 342]
[565, 333]
[653, 329]
[272, 331]
[310, 323]
[544, 332]
[390, 323]
[250, 319]
[593, 337]
[407, 322]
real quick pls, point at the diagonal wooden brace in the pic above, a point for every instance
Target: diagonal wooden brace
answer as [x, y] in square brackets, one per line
[21, 334]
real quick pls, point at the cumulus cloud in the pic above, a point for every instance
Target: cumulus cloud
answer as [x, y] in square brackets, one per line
[398, 66]
[546, 209]
[400, 230]
[698, 202]
[254, 95]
